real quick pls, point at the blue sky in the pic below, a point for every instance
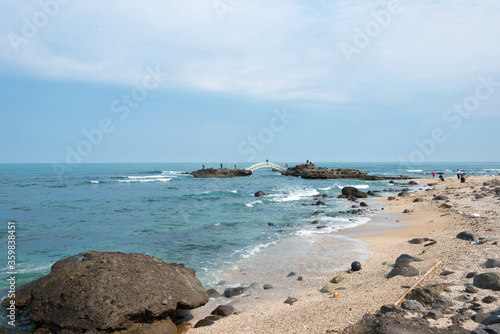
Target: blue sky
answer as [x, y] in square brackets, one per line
[243, 81]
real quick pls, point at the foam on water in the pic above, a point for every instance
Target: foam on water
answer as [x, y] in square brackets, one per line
[251, 204]
[357, 186]
[294, 195]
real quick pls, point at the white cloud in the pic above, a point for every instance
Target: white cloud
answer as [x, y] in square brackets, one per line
[271, 50]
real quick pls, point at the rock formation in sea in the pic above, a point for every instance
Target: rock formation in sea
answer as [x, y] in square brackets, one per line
[221, 172]
[310, 171]
[106, 292]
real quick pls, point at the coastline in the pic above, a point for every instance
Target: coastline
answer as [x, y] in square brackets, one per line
[367, 290]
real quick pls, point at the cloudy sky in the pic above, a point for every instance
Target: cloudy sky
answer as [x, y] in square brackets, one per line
[249, 80]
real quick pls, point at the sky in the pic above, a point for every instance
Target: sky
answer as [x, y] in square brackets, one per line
[249, 80]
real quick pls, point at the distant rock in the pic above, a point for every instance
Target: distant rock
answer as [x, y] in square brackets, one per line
[310, 171]
[260, 194]
[221, 172]
[102, 291]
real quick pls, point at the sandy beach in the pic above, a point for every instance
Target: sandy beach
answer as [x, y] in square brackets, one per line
[365, 291]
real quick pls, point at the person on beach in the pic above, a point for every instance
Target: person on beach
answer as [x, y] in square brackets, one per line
[462, 178]
[433, 174]
[458, 174]
[441, 177]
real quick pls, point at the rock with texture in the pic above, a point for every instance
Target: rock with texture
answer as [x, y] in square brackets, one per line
[100, 291]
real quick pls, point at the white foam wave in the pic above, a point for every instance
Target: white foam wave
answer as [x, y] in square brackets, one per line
[294, 195]
[334, 224]
[94, 182]
[146, 180]
[414, 170]
[251, 204]
[147, 177]
[252, 250]
[327, 188]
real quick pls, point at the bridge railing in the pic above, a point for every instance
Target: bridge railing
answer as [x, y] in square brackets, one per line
[266, 165]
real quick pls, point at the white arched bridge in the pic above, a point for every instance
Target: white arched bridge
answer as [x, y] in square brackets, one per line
[266, 165]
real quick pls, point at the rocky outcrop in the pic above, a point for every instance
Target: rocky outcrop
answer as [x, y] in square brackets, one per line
[222, 172]
[352, 192]
[106, 292]
[310, 171]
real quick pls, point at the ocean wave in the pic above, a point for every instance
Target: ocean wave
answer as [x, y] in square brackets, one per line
[94, 182]
[414, 170]
[333, 224]
[327, 188]
[29, 269]
[253, 250]
[163, 179]
[294, 195]
[251, 204]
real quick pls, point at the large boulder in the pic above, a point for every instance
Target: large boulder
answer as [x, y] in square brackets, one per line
[487, 281]
[353, 192]
[100, 291]
[221, 172]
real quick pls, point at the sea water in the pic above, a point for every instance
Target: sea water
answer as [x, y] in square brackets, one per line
[215, 226]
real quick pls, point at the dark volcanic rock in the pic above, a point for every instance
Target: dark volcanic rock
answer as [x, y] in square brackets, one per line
[223, 310]
[312, 172]
[403, 270]
[260, 193]
[465, 235]
[230, 292]
[406, 258]
[222, 172]
[492, 263]
[428, 294]
[112, 291]
[487, 281]
[353, 192]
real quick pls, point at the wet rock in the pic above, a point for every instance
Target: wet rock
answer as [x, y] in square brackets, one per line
[231, 292]
[292, 273]
[291, 300]
[412, 305]
[212, 293]
[260, 194]
[355, 266]
[353, 192]
[487, 281]
[466, 235]
[320, 203]
[223, 310]
[406, 258]
[110, 291]
[418, 199]
[403, 270]
[363, 204]
[204, 322]
[492, 263]
[406, 211]
[327, 289]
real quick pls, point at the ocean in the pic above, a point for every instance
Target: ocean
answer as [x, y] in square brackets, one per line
[215, 226]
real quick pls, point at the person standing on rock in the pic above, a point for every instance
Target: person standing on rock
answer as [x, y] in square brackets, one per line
[433, 174]
[203, 166]
[220, 166]
[458, 174]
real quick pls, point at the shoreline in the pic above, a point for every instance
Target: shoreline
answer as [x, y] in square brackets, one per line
[367, 290]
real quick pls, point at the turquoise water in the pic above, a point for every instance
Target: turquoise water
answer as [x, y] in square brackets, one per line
[208, 224]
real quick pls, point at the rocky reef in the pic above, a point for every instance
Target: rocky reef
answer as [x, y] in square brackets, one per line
[221, 172]
[104, 292]
[310, 171]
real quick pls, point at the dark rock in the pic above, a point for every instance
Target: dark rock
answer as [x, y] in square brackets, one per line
[445, 206]
[403, 270]
[439, 198]
[267, 286]
[492, 263]
[406, 258]
[315, 222]
[471, 274]
[204, 322]
[320, 203]
[434, 314]
[260, 194]
[404, 194]
[292, 273]
[391, 198]
[310, 171]
[221, 173]
[489, 299]
[406, 211]
[214, 317]
[418, 199]
[271, 224]
[223, 310]
[212, 293]
[418, 240]
[353, 192]
[428, 294]
[316, 213]
[446, 273]
[471, 289]
[441, 303]
[487, 281]
[391, 308]
[107, 291]
[231, 292]
[412, 305]
[465, 235]
[355, 266]
[363, 204]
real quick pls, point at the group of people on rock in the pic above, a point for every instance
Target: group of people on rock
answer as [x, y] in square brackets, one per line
[460, 176]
